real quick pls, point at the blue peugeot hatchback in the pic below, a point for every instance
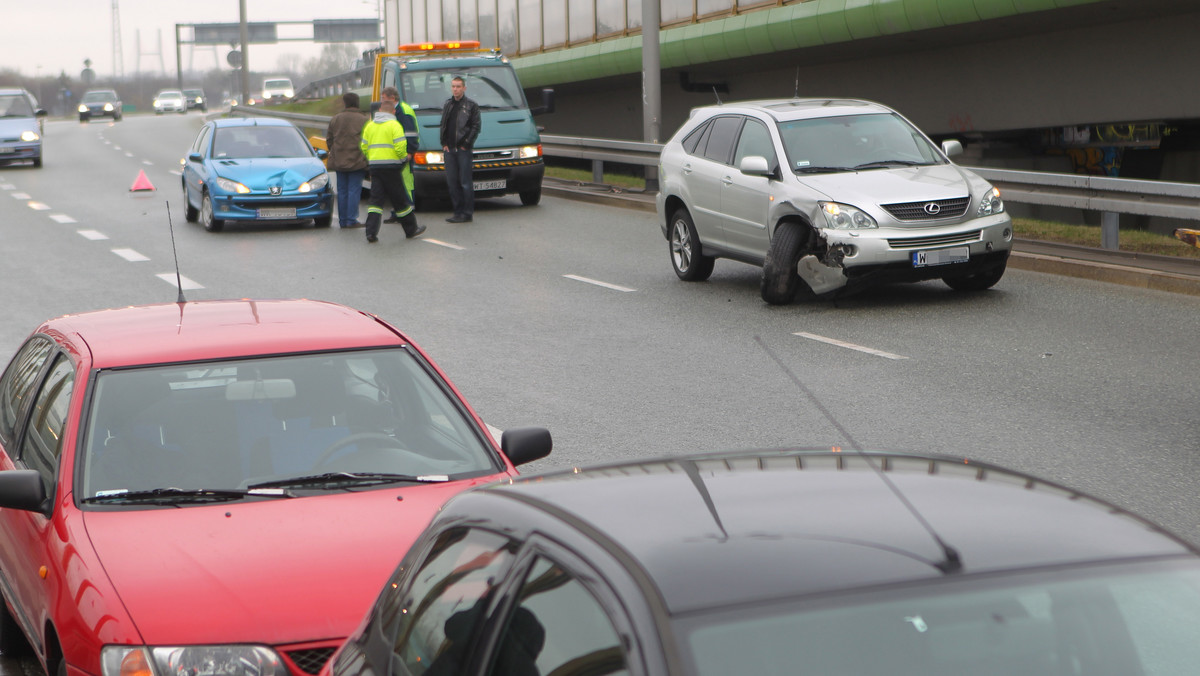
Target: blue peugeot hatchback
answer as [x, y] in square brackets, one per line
[20, 127]
[254, 169]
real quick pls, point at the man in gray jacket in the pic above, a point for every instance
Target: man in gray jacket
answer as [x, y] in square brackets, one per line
[346, 158]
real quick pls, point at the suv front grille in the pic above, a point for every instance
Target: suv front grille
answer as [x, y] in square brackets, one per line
[929, 210]
[939, 240]
[310, 661]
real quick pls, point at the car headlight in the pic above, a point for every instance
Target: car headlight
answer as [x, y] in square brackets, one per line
[204, 660]
[527, 152]
[315, 183]
[29, 135]
[231, 186]
[108, 107]
[157, 103]
[846, 217]
[429, 157]
[83, 108]
[991, 203]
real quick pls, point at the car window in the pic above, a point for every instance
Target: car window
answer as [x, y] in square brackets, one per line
[17, 384]
[755, 141]
[201, 143]
[719, 145]
[442, 609]
[849, 140]
[42, 445]
[557, 627]
[15, 105]
[259, 141]
[693, 139]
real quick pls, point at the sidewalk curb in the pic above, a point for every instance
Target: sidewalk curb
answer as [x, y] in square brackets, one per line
[1106, 272]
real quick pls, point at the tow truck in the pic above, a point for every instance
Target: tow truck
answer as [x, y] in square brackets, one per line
[507, 154]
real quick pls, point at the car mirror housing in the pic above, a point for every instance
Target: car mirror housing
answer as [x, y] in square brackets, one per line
[195, 157]
[952, 147]
[755, 165]
[22, 489]
[525, 444]
[322, 153]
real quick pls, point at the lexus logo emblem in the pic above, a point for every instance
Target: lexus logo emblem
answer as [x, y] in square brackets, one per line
[276, 190]
[933, 208]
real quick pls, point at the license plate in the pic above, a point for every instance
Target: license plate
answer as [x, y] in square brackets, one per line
[957, 254]
[277, 212]
[7, 150]
[490, 185]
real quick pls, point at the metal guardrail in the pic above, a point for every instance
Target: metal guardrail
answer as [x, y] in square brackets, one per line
[1109, 196]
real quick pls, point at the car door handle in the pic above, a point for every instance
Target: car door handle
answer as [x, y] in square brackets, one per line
[687, 168]
[727, 180]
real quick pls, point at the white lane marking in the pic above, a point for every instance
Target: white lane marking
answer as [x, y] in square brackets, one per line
[445, 244]
[7, 186]
[20, 195]
[849, 346]
[187, 284]
[176, 172]
[38, 206]
[116, 147]
[148, 163]
[61, 218]
[128, 154]
[93, 234]
[606, 285]
[130, 255]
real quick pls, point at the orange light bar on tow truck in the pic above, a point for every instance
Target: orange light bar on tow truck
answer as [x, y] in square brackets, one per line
[440, 46]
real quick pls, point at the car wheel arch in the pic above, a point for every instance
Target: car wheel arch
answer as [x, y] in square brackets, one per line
[671, 204]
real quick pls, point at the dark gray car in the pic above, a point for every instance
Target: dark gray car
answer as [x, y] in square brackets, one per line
[100, 103]
[826, 195]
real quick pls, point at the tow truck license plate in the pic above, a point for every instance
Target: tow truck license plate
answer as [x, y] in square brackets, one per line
[490, 185]
[957, 254]
[277, 212]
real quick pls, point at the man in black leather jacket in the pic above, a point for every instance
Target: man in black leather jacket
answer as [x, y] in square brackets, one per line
[460, 127]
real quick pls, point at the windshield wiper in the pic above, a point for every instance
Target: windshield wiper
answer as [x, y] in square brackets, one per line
[890, 163]
[820, 170]
[177, 496]
[350, 478]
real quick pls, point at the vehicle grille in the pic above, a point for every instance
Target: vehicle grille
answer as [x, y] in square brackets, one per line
[939, 240]
[310, 661]
[917, 211]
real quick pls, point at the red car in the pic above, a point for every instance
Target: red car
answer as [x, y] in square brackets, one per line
[220, 488]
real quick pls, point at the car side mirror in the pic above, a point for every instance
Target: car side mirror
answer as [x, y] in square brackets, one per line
[755, 165]
[525, 444]
[195, 157]
[22, 489]
[952, 147]
[40, 112]
[322, 153]
[547, 103]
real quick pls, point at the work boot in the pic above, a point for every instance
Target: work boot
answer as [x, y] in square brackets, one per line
[372, 226]
[411, 229]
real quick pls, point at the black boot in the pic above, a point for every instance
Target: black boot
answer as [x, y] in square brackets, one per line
[373, 219]
[411, 229]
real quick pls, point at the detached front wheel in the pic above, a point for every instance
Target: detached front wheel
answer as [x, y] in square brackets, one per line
[780, 281]
[690, 264]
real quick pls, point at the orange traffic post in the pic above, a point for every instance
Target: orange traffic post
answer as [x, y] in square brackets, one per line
[141, 182]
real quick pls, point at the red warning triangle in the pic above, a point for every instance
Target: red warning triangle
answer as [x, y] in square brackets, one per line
[141, 182]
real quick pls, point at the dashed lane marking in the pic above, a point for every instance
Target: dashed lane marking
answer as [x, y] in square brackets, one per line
[445, 244]
[597, 282]
[148, 163]
[61, 218]
[130, 255]
[93, 234]
[20, 195]
[849, 346]
[38, 206]
[184, 282]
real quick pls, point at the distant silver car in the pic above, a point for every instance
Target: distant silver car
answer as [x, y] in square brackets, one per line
[170, 101]
[826, 195]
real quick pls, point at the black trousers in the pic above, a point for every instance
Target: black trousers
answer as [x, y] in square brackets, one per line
[387, 185]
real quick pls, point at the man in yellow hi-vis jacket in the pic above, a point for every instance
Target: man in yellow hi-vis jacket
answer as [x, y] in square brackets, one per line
[386, 149]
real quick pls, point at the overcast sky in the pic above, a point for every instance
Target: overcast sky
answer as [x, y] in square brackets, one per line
[58, 35]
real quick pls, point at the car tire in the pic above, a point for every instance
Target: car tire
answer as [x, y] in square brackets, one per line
[211, 223]
[978, 281]
[780, 281]
[323, 221]
[531, 197]
[83, 118]
[190, 213]
[37, 162]
[685, 248]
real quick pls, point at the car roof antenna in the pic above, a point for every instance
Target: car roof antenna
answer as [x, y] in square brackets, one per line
[719, 102]
[178, 279]
[952, 562]
[796, 93]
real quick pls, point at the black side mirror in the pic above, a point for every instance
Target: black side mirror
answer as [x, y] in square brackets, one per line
[22, 489]
[526, 444]
[195, 157]
[40, 112]
[547, 103]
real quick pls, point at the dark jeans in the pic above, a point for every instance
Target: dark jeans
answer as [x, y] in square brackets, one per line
[458, 180]
[349, 193]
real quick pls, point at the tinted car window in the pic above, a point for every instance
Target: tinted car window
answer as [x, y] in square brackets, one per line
[755, 141]
[17, 384]
[42, 445]
[720, 140]
[693, 139]
[447, 600]
[557, 627]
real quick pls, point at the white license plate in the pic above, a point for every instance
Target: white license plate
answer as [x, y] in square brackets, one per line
[490, 185]
[957, 254]
[7, 150]
[277, 212]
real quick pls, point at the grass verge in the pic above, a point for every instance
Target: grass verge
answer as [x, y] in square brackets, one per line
[1134, 241]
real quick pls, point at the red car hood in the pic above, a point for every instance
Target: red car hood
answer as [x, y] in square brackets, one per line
[274, 572]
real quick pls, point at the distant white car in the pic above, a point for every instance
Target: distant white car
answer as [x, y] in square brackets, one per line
[170, 101]
[826, 195]
[277, 90]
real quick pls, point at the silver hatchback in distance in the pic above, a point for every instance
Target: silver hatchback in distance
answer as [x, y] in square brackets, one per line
[826, 195]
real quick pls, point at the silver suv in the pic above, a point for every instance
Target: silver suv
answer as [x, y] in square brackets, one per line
[826, 195]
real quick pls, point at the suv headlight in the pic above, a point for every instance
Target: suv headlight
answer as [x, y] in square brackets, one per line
[991, 203]
[232, 186]
[528, 152]
[429, 157]
[846, 217]
[203, 660]
[314, 183]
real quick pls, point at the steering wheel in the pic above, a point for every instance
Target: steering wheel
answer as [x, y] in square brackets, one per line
[384, 442]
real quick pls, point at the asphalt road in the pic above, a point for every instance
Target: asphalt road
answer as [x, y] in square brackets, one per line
[568, 315]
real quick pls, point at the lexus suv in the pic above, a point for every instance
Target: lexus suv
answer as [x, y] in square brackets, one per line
[826, 195]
